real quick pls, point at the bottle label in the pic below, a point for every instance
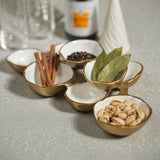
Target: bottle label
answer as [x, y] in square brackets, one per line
[81, 17]
[80, 21]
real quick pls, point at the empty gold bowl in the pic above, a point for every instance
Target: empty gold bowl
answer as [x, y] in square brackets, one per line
[122, 130]
[65, 76]
[134, 72]
[85, 45]
[103, 85]
[83, 96]
[21, 58]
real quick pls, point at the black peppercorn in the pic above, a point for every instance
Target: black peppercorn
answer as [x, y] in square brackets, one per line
[79, 56]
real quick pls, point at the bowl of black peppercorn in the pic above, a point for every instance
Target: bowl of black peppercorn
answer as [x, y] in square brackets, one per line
[77, 53]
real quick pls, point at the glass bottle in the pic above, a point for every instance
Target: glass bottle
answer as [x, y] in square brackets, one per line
[81, 19]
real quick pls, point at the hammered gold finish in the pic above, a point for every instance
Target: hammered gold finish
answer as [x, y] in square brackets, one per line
[104, 85]
[19, 68]
[47, 91]
[79, 106]
[123, 130]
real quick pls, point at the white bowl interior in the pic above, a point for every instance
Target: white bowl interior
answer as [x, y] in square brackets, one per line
[88, 69]
[102, 104]
[23, 57]
[89, 46]
[133, 69]
[64, 74]
[59, 46]
[85, 93]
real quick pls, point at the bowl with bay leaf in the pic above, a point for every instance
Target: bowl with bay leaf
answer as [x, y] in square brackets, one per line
[108, 70]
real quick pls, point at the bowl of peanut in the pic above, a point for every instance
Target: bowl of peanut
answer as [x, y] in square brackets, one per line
[121, 115]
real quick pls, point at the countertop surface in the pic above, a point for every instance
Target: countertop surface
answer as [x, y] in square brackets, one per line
[38, 128]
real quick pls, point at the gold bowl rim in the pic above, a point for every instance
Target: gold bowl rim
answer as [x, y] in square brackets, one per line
[126, 127]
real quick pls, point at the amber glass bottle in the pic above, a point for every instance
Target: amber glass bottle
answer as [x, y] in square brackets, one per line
[81, 19]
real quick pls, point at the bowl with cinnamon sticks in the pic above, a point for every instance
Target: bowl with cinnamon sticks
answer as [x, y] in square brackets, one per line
[48, 76]
[76, 53]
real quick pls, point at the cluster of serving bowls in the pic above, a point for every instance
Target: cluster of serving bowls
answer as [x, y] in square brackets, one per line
[82, 96]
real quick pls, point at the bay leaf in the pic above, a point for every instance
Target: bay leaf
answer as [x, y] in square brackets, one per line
[101, 61]
[115, 53]
[112, 69]
[104, 59]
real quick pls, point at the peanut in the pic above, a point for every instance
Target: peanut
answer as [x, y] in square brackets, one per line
[118, 121]
[129, 111]
[103, 120]
[100, 113]
[113, 123]
[130, 119]
[115, 102]
[141, 115]
[133, 123]
[139, 120]
[135, 106]
[106, 116]
[126, 102]
[122, 115]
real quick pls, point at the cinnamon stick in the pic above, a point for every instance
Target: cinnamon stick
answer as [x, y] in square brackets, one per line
[43, 80]
[51, 59]
[55, 68]
[45, 63]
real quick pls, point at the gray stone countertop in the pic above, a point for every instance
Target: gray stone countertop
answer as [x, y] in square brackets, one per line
[37, 128]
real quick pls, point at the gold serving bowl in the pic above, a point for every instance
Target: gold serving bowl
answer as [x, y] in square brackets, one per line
[20, 59]
[65, 76]
[83, 96]
[122, 130]
[85, 45]
[103, 85]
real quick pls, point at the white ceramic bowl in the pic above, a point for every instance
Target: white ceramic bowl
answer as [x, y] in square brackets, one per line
[85, 93]
[83, 96]
[85, 45]
[20, 59]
